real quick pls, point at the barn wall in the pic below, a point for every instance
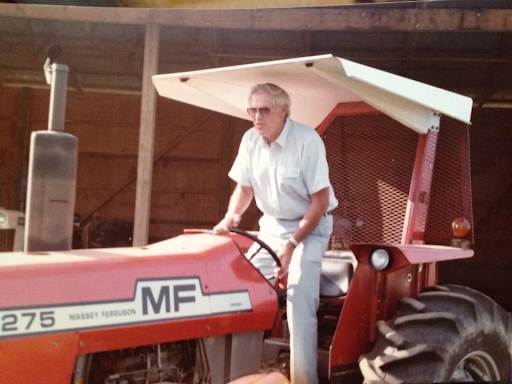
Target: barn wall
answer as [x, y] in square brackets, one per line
[190, 184]
[8, 103]
[13, 114]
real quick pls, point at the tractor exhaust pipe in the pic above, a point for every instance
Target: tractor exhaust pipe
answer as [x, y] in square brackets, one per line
[57, 76]
[52, 172]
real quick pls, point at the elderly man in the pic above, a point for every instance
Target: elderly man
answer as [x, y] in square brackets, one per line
[283, 165]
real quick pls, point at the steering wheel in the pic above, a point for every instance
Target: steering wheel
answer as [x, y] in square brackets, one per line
[260, 242]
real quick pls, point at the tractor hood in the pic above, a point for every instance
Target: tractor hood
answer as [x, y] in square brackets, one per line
[191, 285]
[316, 85]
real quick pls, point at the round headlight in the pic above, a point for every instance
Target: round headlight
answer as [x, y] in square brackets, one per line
[380, 259]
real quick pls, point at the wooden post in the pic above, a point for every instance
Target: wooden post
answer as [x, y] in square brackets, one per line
[146, 137]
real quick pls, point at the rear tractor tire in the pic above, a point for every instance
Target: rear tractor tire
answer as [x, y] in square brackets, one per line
[447, 334]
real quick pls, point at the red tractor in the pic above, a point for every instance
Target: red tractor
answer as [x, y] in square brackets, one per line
[192, 309]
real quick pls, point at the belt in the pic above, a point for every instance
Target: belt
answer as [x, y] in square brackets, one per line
[328, 213]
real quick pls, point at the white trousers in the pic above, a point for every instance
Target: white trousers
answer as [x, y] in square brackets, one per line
[303, 288]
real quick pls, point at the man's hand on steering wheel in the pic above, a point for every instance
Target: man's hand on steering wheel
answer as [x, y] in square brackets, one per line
[260, 242]
[230, 220]
[277, 260]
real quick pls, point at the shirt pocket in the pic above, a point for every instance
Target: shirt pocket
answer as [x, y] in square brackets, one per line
[288, 172]
[288, 178]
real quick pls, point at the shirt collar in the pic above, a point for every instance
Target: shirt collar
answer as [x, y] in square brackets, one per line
[281, 140]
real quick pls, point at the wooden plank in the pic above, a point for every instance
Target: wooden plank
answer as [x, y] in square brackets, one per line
[20, 140]
[225, 164]
[87, 14]
[109, 156]
[162, 231]
[490, 20]
[184, 206]
[237, 4]
[95, 172]
[87, 199]
[126, 183]
[326, 19]
[7, 168]
[200, 143]
[186, 177]
[100, 109]
[5, 195]
[8, 101]
[174, 205]
[146, 137]
[159, 231]
[188, 223]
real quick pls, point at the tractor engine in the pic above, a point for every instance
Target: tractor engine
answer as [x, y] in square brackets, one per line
[160, 363]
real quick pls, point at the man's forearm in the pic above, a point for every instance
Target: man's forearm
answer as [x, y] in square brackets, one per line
[316, 210]
[240, 200]
[319, 204]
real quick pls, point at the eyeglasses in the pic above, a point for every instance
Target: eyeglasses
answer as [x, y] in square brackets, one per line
[263, 111]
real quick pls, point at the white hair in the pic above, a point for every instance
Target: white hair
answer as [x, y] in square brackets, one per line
[279, 95]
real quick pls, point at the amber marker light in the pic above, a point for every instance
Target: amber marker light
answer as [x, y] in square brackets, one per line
[461, 227]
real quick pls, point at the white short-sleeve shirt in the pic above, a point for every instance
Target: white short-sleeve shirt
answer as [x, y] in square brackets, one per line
[285, 173]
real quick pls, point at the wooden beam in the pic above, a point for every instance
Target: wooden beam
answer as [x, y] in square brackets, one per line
[107, 156]
[188, 57]
[190, 49]
[43, 85]
[366, 18]
[146, 137]
[237, 4]
[184, 222]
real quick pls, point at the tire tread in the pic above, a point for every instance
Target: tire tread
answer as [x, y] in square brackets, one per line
[429, 332]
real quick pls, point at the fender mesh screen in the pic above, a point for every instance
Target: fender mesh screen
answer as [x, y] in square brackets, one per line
[450, 194]
[371, 160]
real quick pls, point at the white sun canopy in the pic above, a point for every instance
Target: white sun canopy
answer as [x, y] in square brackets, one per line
[316, 85]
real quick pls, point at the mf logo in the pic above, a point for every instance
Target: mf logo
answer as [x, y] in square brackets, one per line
[167, 297]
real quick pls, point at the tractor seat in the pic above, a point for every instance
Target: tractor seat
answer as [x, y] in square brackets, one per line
[337, 270]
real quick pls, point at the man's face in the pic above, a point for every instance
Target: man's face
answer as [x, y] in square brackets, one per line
[271, 124]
